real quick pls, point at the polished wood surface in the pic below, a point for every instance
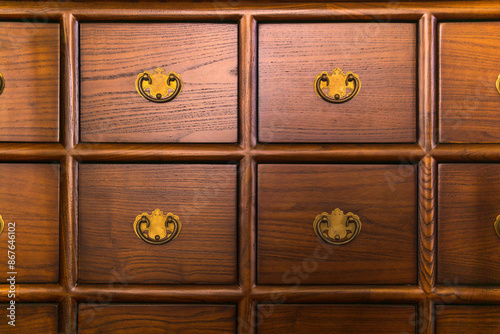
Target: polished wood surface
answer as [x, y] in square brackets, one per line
[110, 198]
[469, 105]
[467, 319]
[384, 57]
[29, 197]
[30, 318]
[468, 204]
[113, 54]
[289, 198]
[151, 319]
[346, 319]
[29, 62]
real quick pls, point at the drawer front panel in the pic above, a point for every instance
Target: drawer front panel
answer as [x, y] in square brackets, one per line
[29, 197]
[291, 196]
[29, 64]
[469, 203]
[154, 319]
[29, 318]
[345, 319]
[469, 106]
[466, 319]
[203, 197]
[382, 55]
[205, 56]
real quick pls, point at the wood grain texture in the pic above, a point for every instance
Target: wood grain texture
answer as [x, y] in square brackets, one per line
[384, 57]
[467, 319]
[345, 319]
[289, 198]
[469, 105]
[29, 62]
[29, 196]
[30, 318]
[468, 204]
[113, 54]
[204, 198]
[152, 319]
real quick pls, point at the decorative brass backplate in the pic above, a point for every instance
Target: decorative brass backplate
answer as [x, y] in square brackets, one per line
[498, 84]
[2, 83]
[341, 87]
[157, 228]
[2, 225]
[337, 228]
[496, 225]
[158, 86]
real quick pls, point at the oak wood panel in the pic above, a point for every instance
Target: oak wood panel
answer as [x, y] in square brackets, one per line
[204, 198]
[467, 319]
[469, 106]
[30, 318]
[384, 57]
[289, 198]
[154, 319]
[29, 62]
[29, 196]
[204, 55]
[468, 204]
[345, 319]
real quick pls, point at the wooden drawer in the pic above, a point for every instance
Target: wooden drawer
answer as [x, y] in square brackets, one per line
[382, 55]
[29, 64]
[111, 197]
[469, 105]
[292, 197]
[467, 319]
[469, 203]
[338, 319]
[156, 319]
[204, 55]
[29, 318]
[29, 197]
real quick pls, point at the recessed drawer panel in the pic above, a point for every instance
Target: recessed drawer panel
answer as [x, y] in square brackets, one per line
[469, 206]
[345, 319]
[29, 214]
[29, 318]
[467, 319]
[469, 86]
[29, 82]
[157, 223]
[195, 65]
[336, 224]
[152, 319]
[293, 57]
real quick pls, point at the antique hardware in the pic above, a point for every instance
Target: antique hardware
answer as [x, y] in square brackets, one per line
[2, 225]
[341, 87]
[496, 225]
[337, 228]
[162, 87]
[498, 84]
[2, 83]
[157, 228]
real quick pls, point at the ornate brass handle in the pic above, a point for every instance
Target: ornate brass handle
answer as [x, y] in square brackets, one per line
[337, 83]
[498, 84]
[2, 83]
[157, 228]
[496, 225]
[162, 87]
[337, 228]
[2, 225]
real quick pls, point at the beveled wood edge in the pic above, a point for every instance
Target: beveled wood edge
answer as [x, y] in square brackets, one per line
[31, 152]
[33, 293]
[247, 82]
[67, 316]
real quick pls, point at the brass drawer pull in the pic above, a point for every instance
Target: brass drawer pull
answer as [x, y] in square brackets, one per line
[498, 84]
[2, 83]
[2, 225]
[338, 84]
[496, 225]
[337, 228]
[157, 228]
[162, 87]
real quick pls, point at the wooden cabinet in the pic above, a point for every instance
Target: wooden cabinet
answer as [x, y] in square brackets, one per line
[250, 167]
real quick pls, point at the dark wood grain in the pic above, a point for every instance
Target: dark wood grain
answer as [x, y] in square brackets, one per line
[467, 319]
[152, 319]
[29, 62]
[30, 318]
[289, 198]
[469, 202]
[204, 55]
[384, 57]
[110, 198]
[29, 196]
[469, 105]
[345, 319]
